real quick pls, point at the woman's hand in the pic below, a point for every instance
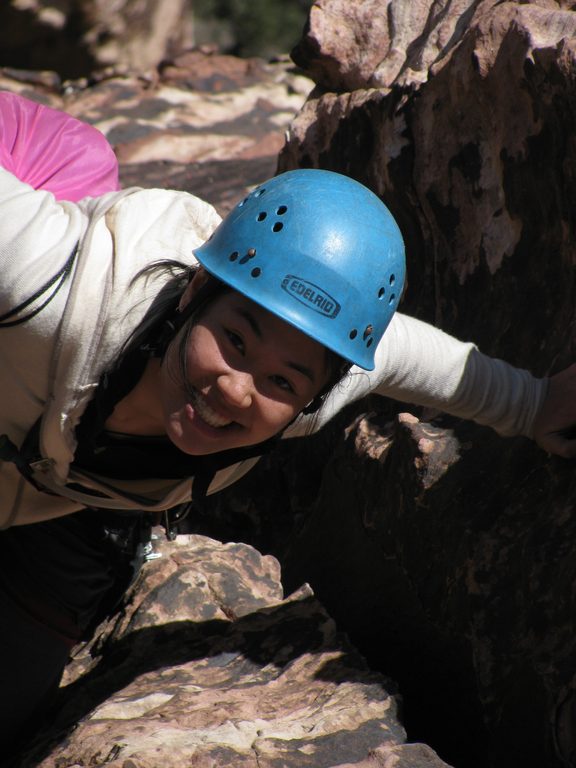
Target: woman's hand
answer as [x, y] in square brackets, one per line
[555, 425]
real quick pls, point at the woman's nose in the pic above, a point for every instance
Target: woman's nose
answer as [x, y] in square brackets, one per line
[237, 388]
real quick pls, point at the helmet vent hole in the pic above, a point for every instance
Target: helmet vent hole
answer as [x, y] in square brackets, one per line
[256, 272]
[369, 342]
[277, 226]
[262, 215]
[260, 192]
[233, 256]
[243, 202]
[281, 210]
[353, 333]
[381, 293]
[391, 299]
[392, 279]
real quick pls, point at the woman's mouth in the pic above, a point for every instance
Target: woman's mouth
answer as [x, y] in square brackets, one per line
[206, 412]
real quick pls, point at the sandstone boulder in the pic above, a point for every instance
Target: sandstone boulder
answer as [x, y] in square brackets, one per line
[208, 665]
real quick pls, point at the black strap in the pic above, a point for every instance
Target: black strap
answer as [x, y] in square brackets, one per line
[202, 470]
[55, 283]
[9, 452]
[24, 456]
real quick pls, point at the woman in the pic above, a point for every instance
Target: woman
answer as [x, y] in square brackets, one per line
[151, 353]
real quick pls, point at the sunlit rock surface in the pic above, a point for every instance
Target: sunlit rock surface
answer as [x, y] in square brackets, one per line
[208, 665]
[205, 123]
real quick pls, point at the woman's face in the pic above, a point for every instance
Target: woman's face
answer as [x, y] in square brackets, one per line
[248, 374]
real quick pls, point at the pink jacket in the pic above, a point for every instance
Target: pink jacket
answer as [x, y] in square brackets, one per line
[51, 150]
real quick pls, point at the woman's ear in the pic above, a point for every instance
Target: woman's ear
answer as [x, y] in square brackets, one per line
[198, 279]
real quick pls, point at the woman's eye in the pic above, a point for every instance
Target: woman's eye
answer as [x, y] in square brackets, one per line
[283, 383]
[235, 340]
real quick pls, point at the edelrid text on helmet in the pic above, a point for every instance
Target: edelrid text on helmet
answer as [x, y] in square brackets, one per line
[319, 250]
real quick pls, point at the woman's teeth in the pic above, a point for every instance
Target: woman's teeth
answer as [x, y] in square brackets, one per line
[207, 414]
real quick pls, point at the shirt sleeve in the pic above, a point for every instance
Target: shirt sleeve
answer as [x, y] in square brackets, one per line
[53, 151]
[419, 364]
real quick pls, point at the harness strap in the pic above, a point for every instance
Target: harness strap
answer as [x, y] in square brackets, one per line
[21, 458]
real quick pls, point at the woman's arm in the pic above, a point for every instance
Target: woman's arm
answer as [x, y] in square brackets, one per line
[419, 364]
[53, 151]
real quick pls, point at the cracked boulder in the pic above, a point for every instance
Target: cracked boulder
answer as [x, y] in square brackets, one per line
[208, 665]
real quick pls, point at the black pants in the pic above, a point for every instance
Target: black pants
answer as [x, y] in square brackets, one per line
[58, 579]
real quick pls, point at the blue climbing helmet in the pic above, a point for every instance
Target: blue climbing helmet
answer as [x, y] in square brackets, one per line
[319, 250]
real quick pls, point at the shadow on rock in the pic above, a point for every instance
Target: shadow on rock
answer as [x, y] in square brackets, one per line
[282, 677]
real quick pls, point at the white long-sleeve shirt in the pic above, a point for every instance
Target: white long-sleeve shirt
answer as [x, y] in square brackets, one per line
[51, 364]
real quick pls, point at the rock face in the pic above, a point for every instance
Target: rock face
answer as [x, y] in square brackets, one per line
[208, 666]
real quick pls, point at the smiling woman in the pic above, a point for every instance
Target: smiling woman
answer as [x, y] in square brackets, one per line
[248, 374]
[235, 375]
[232, 364]
[150, 353]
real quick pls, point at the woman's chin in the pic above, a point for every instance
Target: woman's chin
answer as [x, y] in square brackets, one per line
[196, 437]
